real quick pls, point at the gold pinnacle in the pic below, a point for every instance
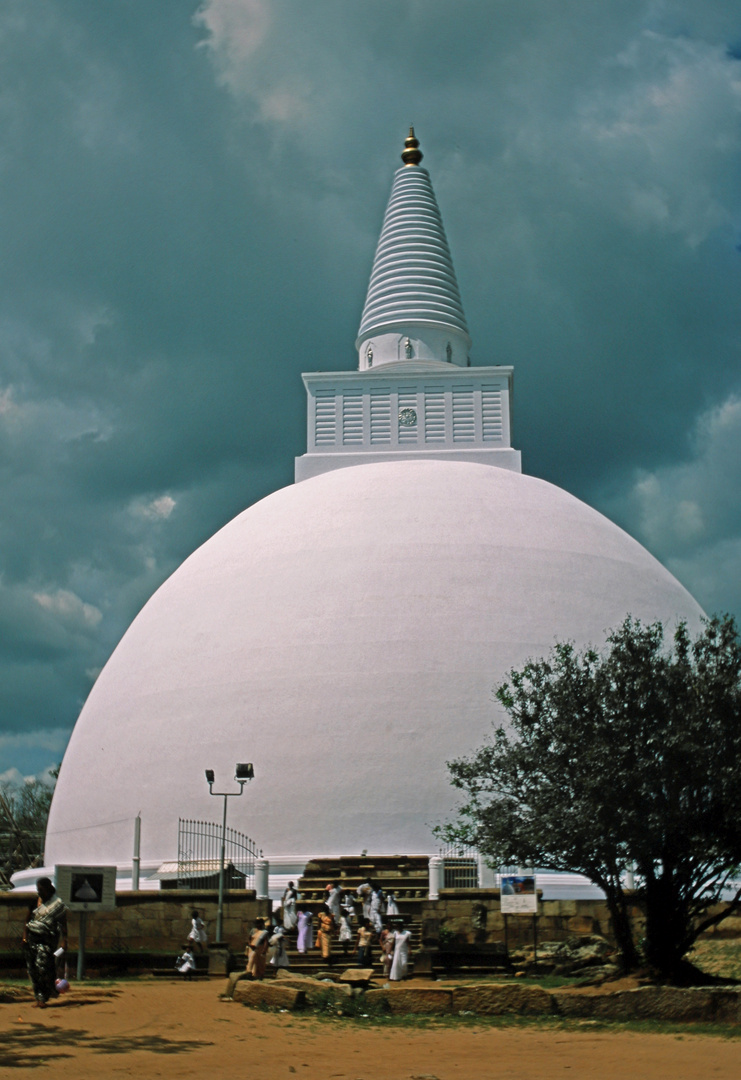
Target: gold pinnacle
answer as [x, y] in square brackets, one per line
[411, 155]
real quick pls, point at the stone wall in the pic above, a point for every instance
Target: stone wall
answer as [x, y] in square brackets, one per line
[156, 922]
[473, 917]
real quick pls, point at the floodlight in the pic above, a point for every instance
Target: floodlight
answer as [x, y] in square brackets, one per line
[210, 776]
[245, 771]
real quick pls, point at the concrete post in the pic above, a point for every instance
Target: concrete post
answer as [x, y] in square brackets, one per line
[262, 874]
[437, 877]
[136, 861]
[487, 876]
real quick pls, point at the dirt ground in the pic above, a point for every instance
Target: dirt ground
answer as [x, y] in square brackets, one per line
[155, 1029]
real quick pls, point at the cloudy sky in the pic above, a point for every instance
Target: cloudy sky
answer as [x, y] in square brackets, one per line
[190, 197]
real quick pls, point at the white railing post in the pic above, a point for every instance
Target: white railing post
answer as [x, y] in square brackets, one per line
[437, 877]
[487, 875]
[262, 873]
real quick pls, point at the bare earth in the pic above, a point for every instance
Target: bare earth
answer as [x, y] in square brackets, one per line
[153, 1029]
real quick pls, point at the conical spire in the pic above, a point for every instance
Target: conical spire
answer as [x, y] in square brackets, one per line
[413, 308]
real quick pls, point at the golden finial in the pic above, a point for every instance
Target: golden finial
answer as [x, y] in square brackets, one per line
[411, 155]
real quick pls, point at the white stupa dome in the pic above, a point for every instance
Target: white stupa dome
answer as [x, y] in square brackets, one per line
[344, 634]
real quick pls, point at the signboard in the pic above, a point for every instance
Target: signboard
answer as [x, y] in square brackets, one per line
[518, 895]
[87, 888]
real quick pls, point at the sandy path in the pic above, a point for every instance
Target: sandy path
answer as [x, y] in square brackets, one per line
[182, 1030]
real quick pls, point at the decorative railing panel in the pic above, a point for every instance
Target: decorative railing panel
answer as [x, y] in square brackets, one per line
[199, 855]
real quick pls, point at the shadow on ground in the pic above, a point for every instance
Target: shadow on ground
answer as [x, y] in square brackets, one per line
[30, 1045]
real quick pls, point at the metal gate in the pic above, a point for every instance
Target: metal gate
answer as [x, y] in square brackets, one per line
[461, 863]
[199, 856]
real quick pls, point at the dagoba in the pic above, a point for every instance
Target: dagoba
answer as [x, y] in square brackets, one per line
[346, 633]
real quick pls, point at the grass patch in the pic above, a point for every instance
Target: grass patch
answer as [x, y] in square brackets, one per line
[413, 1021]
[718, 956]
[546, 982]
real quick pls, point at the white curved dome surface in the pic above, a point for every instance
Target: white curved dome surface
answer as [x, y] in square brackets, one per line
[345, 635]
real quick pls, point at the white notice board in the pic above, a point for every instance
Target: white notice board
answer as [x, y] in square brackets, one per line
[518, 894]
[87, 888]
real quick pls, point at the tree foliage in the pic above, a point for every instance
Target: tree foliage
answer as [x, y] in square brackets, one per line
[627, 757]
[24, 810]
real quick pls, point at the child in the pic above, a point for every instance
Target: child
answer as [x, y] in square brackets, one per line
[186, 963]
[365, 935]
[197, 931]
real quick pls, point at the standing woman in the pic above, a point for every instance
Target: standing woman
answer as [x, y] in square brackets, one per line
[290, 897]
[348, 906]
[386, 941]
[334, 892]
[401, 955]
[324, 937]
[364, 892]
[376, 909]
[257, 950]
[305, 940]
[48, 922]
[346, 934]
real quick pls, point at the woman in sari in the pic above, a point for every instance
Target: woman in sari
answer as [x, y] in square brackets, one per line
[305, 938]
[257, 950]
[324, 937]
[48, 922]
[290, 897]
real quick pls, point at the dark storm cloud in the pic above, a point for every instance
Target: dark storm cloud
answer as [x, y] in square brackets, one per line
[190, 198]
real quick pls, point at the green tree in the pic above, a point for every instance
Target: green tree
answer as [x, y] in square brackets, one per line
[627, 757]
[24, 810]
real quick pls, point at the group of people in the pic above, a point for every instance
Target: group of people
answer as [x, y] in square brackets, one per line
[379, 923]
[45, 935]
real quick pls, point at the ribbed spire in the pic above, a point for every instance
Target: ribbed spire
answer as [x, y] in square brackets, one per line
[413, 288]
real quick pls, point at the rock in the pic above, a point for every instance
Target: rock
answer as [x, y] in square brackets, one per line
[676, 1004]
[429, 1001]
[564, 957]
[597, 973]
[285, 975]
[500, 998]
[220, 959]
[357, 976]
[270, 994]
[315, 991]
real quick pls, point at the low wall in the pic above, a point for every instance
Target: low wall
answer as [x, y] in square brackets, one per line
[666, 1003]
[143, 921]
[473, 916]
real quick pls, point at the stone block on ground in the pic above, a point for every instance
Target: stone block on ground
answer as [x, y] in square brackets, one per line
[315, 991]
[219, 959]
[500, 998]
[727, 1001]
[283, 974]
[423, 963]
[427, 1001]
[357, 976]
[269, 994]
[669, 1003]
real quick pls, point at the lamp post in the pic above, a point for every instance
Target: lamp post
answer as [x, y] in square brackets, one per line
[242, 773]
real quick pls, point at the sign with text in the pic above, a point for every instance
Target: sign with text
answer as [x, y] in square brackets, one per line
[518, 895]
[87, 888]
